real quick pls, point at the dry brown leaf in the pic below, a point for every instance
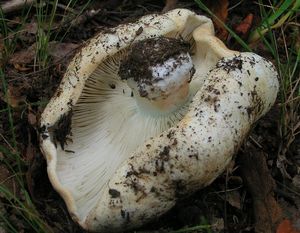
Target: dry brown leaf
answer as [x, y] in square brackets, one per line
[31, 27]
[31, 119]
[14, 97]
[217, 224]
[296, 182]
[169, 5]
[244, 27]
[56, 50]
[234, 199]
[30, 155]
[7, 180]
[24, 56]
[286, 226]
[59, 50]
[21, 67]
[220, 10]
[291, 210]
[14, 5]
[261, 185]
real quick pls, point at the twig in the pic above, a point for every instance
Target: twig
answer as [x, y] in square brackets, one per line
[67, 8]
[256, 142]
[84, 17]
[170, 4]
[8, 144]
[14, 5]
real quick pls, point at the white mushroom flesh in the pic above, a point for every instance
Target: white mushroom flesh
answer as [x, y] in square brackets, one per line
[170, 87]
[193, 153]
[107, 126]
[125, 165]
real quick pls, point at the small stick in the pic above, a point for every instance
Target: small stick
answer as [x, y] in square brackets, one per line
[14, 5]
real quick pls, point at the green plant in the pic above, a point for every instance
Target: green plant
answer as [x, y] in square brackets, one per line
[232, 33]
[16, 166]
[275, 17]
[45, 23]
[202, 227]
[10, 36]
[21, 204]
[279, 34]
[287, 58]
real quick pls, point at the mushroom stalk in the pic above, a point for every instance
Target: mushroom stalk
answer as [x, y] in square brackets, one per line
[159, 78]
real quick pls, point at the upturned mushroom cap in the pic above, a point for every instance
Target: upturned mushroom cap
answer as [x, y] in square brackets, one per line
[124, 165]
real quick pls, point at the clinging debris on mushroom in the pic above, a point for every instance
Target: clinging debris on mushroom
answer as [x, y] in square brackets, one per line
[156, 115]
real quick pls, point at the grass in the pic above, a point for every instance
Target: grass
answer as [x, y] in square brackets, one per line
[45, 23]
[280, 15]
[16, 165]
[278, 20]
[287, 62]
[21, 202]
[200, 228]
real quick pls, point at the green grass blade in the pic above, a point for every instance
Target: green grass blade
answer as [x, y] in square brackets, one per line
[27, 212]
[269, 22]
[232, 33]
[283, 7]
[8, 226]
[192, 229]
[9, 110]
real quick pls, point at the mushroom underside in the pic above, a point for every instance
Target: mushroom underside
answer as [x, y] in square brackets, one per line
[107, 127]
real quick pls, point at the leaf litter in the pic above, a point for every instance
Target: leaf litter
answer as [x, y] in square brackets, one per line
[245, 199]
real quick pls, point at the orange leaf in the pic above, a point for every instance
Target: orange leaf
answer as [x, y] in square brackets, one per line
[220, 10]
[286, 227]
[244, 27]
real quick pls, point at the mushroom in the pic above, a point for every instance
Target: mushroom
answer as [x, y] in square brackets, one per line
[149, 112]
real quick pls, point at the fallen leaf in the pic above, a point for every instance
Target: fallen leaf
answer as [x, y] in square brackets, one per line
[59, 50]
[24, 56]
[244, 27]
[56, 50]
[169, 5]
[296, 182]
[14, 97]
[259, 182]
[292, 210]
[234, 199]
[30, 155]
[286, 226]
[21, 68]
[217, 224]
[7, 180]
[31, 27]
[31, 119]
[220, 10]
[28, 34]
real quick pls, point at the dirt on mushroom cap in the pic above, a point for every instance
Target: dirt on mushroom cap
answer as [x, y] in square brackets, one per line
[150, 52]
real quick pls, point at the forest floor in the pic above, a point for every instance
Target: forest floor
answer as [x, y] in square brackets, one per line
[259, 191]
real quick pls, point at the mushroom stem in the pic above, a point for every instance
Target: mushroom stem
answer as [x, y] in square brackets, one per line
[168, 89]
[159, 71]
[166, 103]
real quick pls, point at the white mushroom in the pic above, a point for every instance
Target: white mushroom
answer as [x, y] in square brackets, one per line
[139, 143]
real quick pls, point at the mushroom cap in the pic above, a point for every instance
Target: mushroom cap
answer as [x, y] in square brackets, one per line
[230, 91]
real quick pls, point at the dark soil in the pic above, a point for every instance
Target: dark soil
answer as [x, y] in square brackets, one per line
[230, 204]
[143, 55]
[148, 53]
